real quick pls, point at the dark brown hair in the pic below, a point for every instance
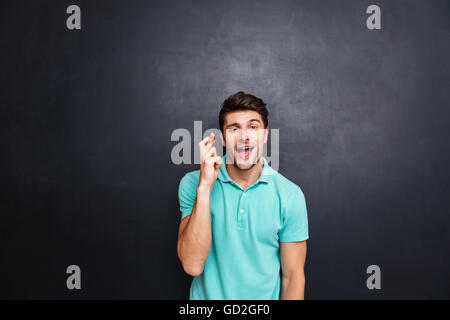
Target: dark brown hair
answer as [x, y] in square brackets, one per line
[243, 101]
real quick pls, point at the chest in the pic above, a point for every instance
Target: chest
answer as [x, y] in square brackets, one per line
[251, 215]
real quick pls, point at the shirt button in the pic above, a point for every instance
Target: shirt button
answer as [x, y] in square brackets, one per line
[244, 194]
[242, 210]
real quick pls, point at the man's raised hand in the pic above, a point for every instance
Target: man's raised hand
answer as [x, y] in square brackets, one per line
[209, 162]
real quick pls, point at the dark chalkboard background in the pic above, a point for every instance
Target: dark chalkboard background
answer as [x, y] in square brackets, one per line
[87, 116]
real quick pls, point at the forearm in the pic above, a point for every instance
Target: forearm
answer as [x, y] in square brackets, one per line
[194, 243]
[293, 287]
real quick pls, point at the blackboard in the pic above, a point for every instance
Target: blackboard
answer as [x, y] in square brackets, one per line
[87, 116]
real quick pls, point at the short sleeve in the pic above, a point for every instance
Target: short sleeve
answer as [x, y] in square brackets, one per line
[295, 219]
[187, 192]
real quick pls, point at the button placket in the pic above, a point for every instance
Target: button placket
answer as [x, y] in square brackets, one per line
[242, 211]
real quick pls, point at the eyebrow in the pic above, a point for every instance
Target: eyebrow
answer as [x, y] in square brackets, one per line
[237, 124]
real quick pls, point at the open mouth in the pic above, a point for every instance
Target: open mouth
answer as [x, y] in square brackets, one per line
[244, 152]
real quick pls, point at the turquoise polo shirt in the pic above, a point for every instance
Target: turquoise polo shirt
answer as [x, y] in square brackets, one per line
[247, 228]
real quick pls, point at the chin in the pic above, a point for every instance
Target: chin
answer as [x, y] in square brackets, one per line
[245, 164]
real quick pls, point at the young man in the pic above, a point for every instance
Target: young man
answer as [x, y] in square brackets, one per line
[242, 222]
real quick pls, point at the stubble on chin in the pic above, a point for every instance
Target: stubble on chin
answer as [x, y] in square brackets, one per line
[244, 169]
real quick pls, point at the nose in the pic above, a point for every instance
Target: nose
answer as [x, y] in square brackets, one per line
[244, 135]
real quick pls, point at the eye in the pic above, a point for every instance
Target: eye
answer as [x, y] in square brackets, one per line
[253, 127]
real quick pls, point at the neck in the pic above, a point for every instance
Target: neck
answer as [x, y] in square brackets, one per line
[245, 178]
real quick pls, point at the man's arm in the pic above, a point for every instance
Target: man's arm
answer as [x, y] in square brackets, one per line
[293, 256]
[194, 235]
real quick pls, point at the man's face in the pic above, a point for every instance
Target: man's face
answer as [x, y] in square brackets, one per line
[244, 138]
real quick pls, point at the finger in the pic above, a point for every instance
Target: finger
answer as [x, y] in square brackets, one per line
[217, 162]
[210, 141]
[210, 153]
[205, 139]
[204, 145]
[201, 144]
[213, 160]
[214, 152]
[209, 144]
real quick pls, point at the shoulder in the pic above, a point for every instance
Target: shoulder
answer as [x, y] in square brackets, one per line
[190, 180]
[286, 187]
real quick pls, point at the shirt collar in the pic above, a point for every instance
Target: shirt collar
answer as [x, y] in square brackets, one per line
[224, 177]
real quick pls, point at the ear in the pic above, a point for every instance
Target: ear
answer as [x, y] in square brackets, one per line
[266, 134]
